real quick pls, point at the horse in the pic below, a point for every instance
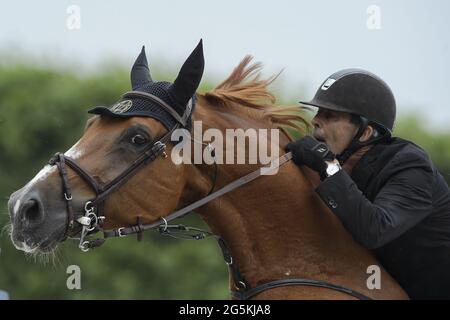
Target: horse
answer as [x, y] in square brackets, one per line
[278, 237]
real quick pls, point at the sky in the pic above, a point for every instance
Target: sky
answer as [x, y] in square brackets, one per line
[404, 42]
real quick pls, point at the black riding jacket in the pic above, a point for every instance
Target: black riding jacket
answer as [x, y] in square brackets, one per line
[396, 203]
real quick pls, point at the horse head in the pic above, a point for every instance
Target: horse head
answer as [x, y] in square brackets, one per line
[132, 132]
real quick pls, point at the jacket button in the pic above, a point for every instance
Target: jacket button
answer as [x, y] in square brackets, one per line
[332, 203]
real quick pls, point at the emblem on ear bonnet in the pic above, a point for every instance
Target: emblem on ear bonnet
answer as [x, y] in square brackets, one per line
[176, 94]
[121, 106]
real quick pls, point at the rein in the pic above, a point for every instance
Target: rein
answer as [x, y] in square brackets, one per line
[92, 220]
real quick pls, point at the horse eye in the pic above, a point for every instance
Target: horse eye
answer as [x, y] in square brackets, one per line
[138, 139]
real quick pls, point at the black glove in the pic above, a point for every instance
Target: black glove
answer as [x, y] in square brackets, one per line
[312, 153]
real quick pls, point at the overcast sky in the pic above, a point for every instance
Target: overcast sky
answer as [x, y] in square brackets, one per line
[405, 42]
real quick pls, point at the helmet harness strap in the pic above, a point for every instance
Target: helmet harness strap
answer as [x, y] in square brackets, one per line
[355, 144]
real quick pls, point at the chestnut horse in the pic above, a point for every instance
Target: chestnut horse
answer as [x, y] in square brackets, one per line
[276, 227]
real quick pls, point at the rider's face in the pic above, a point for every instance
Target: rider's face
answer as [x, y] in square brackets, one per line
[334, 128]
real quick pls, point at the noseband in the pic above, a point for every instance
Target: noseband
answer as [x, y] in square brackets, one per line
[93, 209]
[92, 219]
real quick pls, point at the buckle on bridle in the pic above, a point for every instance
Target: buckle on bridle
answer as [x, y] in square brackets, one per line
[119, 232]
[242, 285]
[68, 197]
[88, 207]
[84, 246]
[165, 225]
[162, 146]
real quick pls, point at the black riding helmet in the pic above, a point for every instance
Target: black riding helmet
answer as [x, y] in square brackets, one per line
[361, 93]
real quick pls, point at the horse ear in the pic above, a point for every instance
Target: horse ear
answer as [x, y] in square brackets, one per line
[140, 73]
[189, 77]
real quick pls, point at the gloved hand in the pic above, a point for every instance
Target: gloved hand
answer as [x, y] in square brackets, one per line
[312, 153]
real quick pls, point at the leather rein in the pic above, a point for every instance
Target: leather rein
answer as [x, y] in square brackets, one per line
[92, 220]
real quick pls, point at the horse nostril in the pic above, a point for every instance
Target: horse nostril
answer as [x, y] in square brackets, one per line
[32, 212]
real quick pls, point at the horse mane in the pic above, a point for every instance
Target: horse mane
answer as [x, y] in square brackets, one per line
[245, 92]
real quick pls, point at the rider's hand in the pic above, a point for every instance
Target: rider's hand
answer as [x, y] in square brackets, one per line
[312, 153]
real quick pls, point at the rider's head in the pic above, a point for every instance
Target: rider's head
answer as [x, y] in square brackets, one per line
[355, 108]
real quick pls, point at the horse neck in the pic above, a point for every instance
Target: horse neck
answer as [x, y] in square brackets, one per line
[277, 227]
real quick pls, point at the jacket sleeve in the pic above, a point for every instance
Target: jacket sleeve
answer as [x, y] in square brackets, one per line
[401, 203]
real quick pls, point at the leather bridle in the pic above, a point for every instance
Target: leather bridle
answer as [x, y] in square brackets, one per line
[92, 219]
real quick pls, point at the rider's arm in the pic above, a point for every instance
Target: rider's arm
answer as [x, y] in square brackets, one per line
[401, 203]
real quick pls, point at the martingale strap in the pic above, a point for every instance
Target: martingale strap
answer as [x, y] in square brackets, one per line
[189, 233]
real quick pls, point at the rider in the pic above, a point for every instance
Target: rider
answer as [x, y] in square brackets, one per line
[384, 189]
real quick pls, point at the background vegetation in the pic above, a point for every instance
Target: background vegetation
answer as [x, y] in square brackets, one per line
[43, 110]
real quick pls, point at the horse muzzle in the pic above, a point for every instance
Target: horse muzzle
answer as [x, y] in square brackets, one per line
[32, 228]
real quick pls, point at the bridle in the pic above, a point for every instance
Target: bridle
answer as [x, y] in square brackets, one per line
[92, 219]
